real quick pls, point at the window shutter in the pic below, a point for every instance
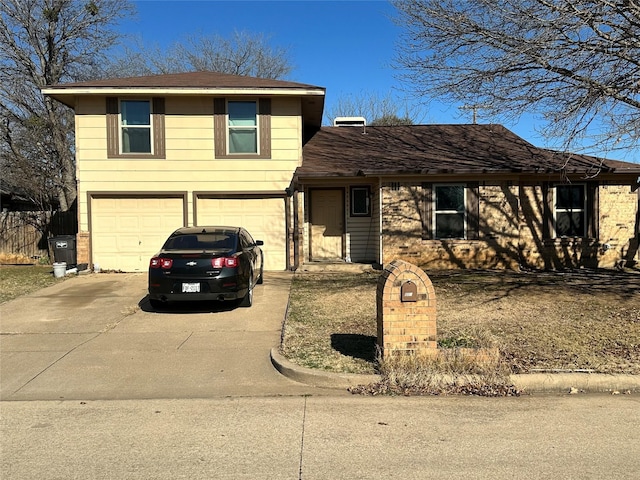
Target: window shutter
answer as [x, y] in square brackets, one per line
[158, 128]
[220, 127]
[547, 210]
[113, 144]
[427, 211]
[264, 110]
[473, 210]
[593, 208]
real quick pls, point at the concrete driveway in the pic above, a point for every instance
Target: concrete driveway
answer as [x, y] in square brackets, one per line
[95, 337]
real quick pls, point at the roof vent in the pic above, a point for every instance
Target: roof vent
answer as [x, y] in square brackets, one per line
[350, 122]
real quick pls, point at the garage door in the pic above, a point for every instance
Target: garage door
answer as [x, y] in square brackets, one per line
[126, 232]
[264, 219]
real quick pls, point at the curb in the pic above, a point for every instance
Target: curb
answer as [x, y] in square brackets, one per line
[582, 382]
[318, 378]
[529, 383]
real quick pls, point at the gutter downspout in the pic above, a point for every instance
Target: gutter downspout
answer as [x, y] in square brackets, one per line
[380, 245]
[292, 191]
[296, 239]
[287, 221]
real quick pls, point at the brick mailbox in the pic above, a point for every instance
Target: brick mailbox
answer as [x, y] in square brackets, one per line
[406, 307]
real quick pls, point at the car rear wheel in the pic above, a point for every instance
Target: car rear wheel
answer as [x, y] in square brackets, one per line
[247, 301]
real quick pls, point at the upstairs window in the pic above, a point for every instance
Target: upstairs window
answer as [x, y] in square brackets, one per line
[135, 126]
[243, 127]
[449, 211]
[570, 211]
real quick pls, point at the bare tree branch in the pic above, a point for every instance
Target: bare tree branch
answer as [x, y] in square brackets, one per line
[376, 108]
[45, 42]
[575, 62]
[243, 54]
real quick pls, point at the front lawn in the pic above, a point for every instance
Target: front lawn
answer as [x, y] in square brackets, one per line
[576, 321]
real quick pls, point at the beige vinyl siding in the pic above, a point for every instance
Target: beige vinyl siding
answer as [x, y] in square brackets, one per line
[362, 232]
[264, 219]
[127, 232]
[189, 150]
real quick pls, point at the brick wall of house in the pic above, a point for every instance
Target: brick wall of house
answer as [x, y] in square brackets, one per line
[511, 231]
[618, 224]
[531, 243]
[82, 248]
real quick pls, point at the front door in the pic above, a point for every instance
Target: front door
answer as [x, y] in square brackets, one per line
[327, 224]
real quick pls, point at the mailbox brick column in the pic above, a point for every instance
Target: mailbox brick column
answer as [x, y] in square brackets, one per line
[407, 326]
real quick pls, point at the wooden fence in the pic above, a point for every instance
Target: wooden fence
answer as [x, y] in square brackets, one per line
[27, 233]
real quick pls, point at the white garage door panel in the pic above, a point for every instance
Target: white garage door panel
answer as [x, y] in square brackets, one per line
[126, 232]
[264, 219]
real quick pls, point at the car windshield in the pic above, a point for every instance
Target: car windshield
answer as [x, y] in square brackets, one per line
[201, 241]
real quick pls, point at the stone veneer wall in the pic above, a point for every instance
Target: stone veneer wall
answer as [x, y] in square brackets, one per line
[511, 231]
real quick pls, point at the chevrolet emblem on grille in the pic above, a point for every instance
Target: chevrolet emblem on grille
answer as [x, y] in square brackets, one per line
[191, 264]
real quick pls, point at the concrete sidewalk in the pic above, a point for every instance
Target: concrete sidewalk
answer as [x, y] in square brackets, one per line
[324, 437]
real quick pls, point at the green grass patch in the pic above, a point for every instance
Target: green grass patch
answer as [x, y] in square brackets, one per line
[21, 280]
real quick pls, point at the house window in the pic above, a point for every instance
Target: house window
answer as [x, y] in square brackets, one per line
[449, 211]
[135, 126]
[360, 201]
[570, 211]
[243, 126]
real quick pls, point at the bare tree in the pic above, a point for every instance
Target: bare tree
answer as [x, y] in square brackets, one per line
[376, 108]
[243, 54]
[575, 62]
[45, 42]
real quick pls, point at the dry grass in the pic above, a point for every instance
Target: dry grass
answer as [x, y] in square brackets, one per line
[577, 321]
[21, 280]
[15, 259]
[450, 371]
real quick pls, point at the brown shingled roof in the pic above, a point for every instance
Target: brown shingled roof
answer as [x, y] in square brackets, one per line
[431, 149]
[190, 80]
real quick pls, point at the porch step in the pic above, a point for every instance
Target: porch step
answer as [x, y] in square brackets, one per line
[337, 267]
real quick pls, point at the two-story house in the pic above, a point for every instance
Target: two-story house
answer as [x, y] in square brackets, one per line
[160, 152]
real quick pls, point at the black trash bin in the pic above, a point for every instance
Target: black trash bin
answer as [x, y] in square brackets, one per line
[64, 249]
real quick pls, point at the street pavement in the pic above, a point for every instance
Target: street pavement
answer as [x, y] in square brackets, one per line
[96, 385]
[323, 437]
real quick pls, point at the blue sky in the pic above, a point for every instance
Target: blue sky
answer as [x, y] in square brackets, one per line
[345, 46]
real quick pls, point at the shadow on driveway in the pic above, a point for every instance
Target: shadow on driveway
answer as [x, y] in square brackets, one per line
[189, 307]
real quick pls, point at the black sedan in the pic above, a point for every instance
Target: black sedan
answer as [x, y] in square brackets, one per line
[206, 263]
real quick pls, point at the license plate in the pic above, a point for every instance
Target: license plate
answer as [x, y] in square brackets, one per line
[190, 288]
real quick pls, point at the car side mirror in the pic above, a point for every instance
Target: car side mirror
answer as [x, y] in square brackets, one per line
[259, 242]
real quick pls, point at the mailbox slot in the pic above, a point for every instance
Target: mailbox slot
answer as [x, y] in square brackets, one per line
[409, 292]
